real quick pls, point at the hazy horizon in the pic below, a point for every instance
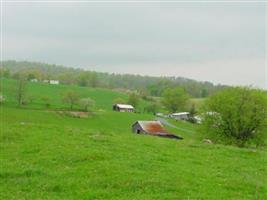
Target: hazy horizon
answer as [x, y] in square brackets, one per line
[217, 42]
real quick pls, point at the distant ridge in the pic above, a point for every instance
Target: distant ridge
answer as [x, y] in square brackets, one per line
[149, 85]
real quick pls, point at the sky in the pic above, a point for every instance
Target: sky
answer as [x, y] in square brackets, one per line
[218, 42]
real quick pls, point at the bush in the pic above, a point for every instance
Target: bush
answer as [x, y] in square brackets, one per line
[2, 99]
[86, 103]
[46, 101]
[175, 99]
[134, 100]
[237, 116]
[71, 98]
[119, 101]
[152, 108]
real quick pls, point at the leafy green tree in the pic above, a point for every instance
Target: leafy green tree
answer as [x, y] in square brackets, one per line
[20, 89]
[204, 93]
[93, 81]
[86, 103]
[67, 78]
[83, 79]
[175, 99]
[71, 98]
[152, 108]
[134, 100]
[46, 101]
[236, 115]
[119, 101]
[192, 113]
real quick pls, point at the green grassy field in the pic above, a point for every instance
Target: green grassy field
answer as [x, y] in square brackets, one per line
[48, 155]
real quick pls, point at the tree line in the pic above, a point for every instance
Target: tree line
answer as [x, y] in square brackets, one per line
[145, 85]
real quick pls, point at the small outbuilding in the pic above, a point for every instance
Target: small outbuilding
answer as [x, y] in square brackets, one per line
[154, 128]
[123, 108]
[54, 82]
[180, 115]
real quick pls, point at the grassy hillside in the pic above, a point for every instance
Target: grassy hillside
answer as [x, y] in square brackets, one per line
[103, 97]
[48, 155]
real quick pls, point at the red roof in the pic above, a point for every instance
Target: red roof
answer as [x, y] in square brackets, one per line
[155, 128]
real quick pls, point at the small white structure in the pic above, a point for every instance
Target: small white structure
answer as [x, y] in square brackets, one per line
[34, 80]
[123, 108]
[198, 119]
[2, 98]
[54, 82]
[180, 115]
[160, 115]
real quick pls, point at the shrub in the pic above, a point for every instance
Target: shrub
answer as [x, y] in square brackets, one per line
[71, 98]
[236, 115]
[86, 103]
[175, 99]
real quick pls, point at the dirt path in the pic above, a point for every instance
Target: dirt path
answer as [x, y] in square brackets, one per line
[166, 123]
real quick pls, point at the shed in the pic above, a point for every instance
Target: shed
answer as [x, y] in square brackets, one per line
[152, 128]
[123, 108]
[180, 115]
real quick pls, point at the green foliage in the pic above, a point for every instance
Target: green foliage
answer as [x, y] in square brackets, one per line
[71, 97]
[4, 73]
[20, 90]
[192, 113]
[103, 97]
[146, 85]
[175, 99]
[46, 100]
[86, 103]
[236, 115]
[152, 108]
[134, 100]
[119, 101]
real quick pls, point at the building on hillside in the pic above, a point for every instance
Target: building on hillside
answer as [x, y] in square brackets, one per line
[34, 80]
[198, 119]
[54, 82]
[154, 128]
[160, 115]
[180, 116]
[123, 108]
[2, 98]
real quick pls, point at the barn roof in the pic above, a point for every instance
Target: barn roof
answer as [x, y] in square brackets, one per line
[155, 128]
[124, 106]
[152, 127]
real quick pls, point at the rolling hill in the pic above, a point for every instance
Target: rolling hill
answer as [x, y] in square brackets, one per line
[48, 155]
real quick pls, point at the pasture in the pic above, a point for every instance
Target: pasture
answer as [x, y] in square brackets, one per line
[48, 155]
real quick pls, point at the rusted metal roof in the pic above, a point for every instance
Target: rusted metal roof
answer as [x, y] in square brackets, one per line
[152, 127]
[155, 128]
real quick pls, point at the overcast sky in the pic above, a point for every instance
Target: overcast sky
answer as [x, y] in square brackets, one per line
[218, 42]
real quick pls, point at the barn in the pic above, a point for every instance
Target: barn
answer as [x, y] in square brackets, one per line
[154, 128]
[123, 108]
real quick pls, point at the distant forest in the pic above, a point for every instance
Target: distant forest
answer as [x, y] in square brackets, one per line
[144, 85]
